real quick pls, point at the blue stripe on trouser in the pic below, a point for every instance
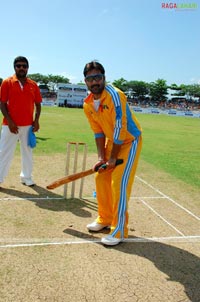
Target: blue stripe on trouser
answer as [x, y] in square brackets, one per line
[123, 192]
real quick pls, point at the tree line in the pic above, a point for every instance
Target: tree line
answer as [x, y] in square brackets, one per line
[155, 91]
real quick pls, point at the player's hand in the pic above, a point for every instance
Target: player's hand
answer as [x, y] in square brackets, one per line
[36, 126]
[101, 166]
[98, 164]
[109, 165]
[12, 127]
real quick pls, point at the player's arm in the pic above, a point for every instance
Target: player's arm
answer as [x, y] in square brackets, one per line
[4, 96]
[12, 126]
[113, 156]
[36, 125]
[100, 143]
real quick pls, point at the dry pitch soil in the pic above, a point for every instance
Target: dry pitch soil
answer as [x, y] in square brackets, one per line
[47, 254]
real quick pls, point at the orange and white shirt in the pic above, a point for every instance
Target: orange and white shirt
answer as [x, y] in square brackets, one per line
[20, 100]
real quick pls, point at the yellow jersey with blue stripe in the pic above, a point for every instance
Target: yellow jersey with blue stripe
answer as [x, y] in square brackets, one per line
[113, 119]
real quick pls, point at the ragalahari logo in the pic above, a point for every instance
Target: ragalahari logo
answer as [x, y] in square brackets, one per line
[179, 6]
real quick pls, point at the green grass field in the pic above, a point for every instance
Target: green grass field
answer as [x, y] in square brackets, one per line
[170, 143]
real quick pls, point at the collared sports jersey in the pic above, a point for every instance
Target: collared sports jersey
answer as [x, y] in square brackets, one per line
[20, 100]
[114, 119]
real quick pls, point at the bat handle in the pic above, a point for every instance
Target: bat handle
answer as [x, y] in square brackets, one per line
[119, 161]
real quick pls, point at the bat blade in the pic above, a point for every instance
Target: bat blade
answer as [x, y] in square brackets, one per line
[64, 180]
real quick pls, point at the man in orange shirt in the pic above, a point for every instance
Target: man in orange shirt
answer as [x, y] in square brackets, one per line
[117, 134]
[21, 107]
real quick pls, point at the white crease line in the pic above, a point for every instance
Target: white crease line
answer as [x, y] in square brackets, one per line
[169, 198]
[185, 239]
[31, 198]
[161, 217]
[148, 197]
[48, 243]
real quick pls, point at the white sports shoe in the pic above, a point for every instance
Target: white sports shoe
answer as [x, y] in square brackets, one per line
[110, 240]
[27, 182]
[95, 226]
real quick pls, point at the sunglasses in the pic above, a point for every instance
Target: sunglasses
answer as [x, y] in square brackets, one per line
[95, 77]
[21, 65]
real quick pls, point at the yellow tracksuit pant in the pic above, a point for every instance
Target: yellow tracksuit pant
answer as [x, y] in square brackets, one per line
[113, 189]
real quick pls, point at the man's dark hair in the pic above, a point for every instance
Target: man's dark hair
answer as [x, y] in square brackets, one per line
[20, 59]
[93, 65]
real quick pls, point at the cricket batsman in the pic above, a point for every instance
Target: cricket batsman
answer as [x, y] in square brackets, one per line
[117, 134]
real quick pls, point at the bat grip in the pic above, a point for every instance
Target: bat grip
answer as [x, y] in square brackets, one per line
[119, 161]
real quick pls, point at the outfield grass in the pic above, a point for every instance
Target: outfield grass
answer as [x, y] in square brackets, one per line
[170, 143]
[61, 125]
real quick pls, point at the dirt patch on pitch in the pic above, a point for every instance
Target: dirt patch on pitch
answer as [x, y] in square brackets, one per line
[72, 265]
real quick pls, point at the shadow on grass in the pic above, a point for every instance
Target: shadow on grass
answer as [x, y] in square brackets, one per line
[53, 202]
[179, 265]
[43, 138]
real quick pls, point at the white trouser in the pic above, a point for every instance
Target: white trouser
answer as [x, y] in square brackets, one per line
[8, 144]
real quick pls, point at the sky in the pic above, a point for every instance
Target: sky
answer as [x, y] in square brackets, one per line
[133, 39]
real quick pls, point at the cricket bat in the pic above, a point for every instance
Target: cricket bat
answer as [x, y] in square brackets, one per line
[69, 178]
